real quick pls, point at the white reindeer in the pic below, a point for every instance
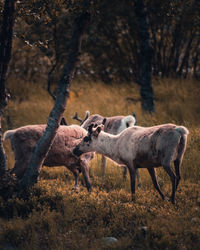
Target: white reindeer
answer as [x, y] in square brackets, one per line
[113, 125]
[23, 140]
[140, 147]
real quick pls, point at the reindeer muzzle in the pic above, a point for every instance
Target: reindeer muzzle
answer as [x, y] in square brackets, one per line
[77, 151]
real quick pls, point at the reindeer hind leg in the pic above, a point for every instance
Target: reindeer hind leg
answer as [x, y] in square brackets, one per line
[20, 167]
[152, 173]
[177, 164]
[173, 178]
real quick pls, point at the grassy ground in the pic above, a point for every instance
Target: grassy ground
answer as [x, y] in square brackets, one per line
[53, 216]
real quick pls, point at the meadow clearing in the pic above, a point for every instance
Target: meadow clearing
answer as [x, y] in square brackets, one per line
[53, 216]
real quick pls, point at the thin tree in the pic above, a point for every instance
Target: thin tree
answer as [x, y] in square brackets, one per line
[42, 147]
[5, 56]
[146, 51]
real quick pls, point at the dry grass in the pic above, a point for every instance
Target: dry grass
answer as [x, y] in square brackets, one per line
[52, 216]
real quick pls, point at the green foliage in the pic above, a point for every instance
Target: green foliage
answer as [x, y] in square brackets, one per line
[52, 215]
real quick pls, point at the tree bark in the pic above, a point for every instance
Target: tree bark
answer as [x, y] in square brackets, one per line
[195, 59]
[41, 149]
[63, 120]
[186, 55]
[5, 55]
[146, 51]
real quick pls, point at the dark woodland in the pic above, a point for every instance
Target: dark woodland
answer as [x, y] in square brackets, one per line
[114, 58]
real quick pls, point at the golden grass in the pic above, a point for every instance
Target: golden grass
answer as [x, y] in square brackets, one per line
[53, 216]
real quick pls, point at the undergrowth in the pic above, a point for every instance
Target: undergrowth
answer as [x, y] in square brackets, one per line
[52, 215]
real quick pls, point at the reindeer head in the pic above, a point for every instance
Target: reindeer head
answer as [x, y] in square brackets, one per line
[89, 141]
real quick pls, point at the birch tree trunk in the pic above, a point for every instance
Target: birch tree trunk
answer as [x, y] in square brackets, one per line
[5, 55]
[146, 90]
[41, 149]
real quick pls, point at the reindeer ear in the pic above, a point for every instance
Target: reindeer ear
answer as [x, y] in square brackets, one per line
[104, 121]
[97, 130]
[134, 115]
[90, 128]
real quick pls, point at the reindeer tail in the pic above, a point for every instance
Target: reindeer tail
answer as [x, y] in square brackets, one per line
[8, 134]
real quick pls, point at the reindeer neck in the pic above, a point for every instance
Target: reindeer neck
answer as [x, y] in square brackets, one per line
[106, 144]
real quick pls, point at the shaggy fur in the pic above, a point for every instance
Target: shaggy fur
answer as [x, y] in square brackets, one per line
[140, 147]
[24, 139]
[113, 125]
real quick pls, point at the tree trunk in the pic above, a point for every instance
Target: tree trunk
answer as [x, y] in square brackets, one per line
[175, 44]
[146, 90]
[5, 55]
[195, 59]
[186, 55]
[41, 149]
[63, 120]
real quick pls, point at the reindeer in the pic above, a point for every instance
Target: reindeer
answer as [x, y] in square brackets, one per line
[23, 140]
[113, 125]
[140, 147]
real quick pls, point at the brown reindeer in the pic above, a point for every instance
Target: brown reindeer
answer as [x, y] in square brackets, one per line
[23, 140]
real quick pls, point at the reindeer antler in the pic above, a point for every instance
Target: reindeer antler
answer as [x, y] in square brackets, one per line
[87, 114]
[75, 117]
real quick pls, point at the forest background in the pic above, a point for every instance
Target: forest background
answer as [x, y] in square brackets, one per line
[107, 82]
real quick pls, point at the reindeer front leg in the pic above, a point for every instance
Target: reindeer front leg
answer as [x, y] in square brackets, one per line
[85, 172]
[132, 179]
[103, 165]
[75, 172]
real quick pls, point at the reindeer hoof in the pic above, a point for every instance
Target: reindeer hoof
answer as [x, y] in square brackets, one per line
[140, 186]
[89, 190]
[169, 199]
[172, 201]
[133, 198]
[76, 188]
[166, 198]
